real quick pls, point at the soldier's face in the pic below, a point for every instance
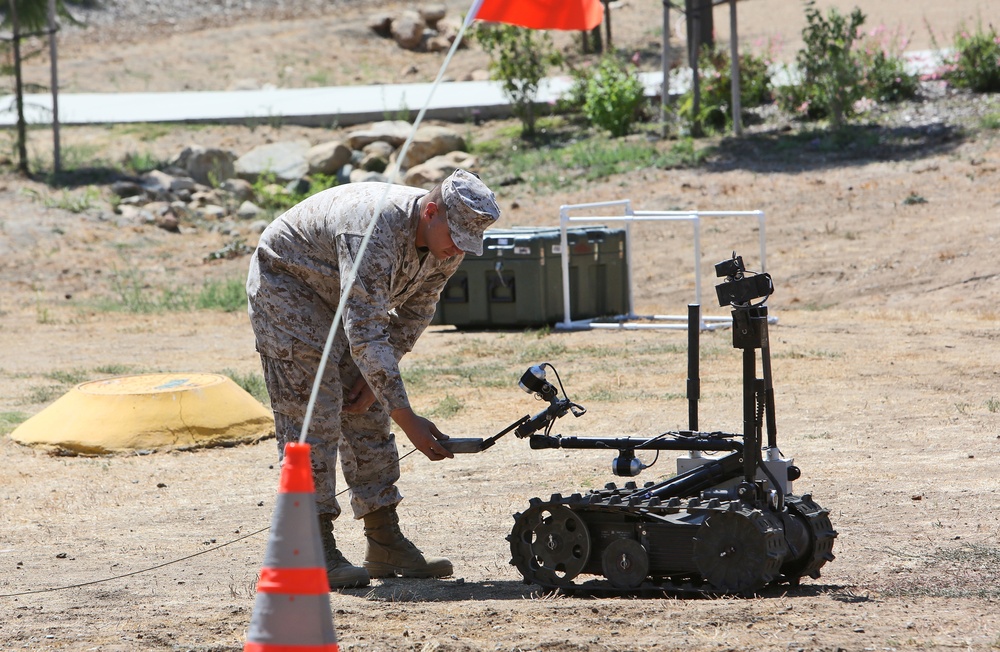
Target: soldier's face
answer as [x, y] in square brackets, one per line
[438, 236]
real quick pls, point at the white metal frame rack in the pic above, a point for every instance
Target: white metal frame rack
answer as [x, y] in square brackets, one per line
[628, 217]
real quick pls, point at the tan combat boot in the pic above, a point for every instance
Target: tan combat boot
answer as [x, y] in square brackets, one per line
[390, 553]
[340, 573]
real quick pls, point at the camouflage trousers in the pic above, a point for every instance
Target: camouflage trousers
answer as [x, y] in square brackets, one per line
[364, 443]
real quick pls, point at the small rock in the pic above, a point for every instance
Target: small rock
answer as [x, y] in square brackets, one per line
[432, 14]
[212, 212]
[240, 189]
[249, 210]
[168, 222]
[381, 24]
[127, 188]
[408, 30]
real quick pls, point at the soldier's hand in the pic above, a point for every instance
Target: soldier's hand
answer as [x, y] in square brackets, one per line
[360, 398]
[422, 433]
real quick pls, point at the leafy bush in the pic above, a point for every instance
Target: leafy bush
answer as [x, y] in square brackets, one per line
[831, 75]
[886, 79]
[519, 59]
[977, 60]
[612, 95]
[843, 71]
[228, 296]
[273, 197]
[715, 101]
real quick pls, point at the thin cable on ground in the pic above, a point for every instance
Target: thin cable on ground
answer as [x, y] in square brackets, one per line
[143, 570]
[164, 564]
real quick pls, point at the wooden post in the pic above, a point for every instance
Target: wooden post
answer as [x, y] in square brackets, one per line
[735, 71]
[22, 145]
[694, 29]
[607, 23]
[56, 157]
[665, 64]
[596, 35]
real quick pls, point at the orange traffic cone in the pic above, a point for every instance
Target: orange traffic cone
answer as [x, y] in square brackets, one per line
[292, 609]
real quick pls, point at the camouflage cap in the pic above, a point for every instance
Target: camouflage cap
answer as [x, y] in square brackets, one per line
[471, 208]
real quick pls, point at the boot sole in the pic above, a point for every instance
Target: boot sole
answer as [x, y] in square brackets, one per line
[377, 570]
[356, 582]
[350, 585]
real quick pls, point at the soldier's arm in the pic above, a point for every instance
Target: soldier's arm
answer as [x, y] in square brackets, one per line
[412, 317]
[367, 321]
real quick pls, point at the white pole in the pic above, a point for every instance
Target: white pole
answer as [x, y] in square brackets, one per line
[697, 259]
[564, 261]
[763, 246]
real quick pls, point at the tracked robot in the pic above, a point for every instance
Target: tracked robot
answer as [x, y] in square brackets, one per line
[727, 523]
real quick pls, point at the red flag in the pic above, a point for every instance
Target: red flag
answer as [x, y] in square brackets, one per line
[579, 15]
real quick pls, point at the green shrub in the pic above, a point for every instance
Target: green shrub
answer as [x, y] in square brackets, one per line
[843, 71]
[977, 60]
[10, 420]
[519, 59]
[275, 198]
[251, 383]
[135, 295]
[830, 73]
[715, 72]
[228, 296]
[612, 96]
[886, 79]
[884, 73]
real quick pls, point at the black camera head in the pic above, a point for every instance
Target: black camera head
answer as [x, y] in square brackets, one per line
[533, 382]
[731, 268]
[740, 287]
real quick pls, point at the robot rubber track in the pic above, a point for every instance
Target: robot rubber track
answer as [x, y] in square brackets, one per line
[650, 548]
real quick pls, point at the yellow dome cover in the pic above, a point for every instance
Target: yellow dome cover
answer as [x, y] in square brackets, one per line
[149, 412]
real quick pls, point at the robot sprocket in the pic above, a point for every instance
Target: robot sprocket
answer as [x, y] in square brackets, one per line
[549, 544]
[740, 550]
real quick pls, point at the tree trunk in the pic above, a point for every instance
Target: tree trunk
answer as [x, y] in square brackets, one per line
[56, 155]
[22, 138]
[700, 27]
[607, 22]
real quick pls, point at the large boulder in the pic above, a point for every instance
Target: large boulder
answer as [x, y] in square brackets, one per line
[206, 165]
[432, 172]
[394, 132]
[408, 30]
[286, 161]
[327, 158]
[431, 141]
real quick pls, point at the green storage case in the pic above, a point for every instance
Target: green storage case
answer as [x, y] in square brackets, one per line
[517, 282]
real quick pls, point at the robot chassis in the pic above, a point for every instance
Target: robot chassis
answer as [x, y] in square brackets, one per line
[726, 524]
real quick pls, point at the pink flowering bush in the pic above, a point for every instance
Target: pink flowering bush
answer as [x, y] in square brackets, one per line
[976, 63]
[844, 70]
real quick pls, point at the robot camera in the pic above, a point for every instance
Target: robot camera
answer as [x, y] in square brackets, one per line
[533, 382]
[740, 287]
[732, 268]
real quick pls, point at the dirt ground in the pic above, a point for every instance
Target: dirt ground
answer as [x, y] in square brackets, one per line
[887, 381]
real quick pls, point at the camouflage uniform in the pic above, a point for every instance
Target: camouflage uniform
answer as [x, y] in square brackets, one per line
[294, 287]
